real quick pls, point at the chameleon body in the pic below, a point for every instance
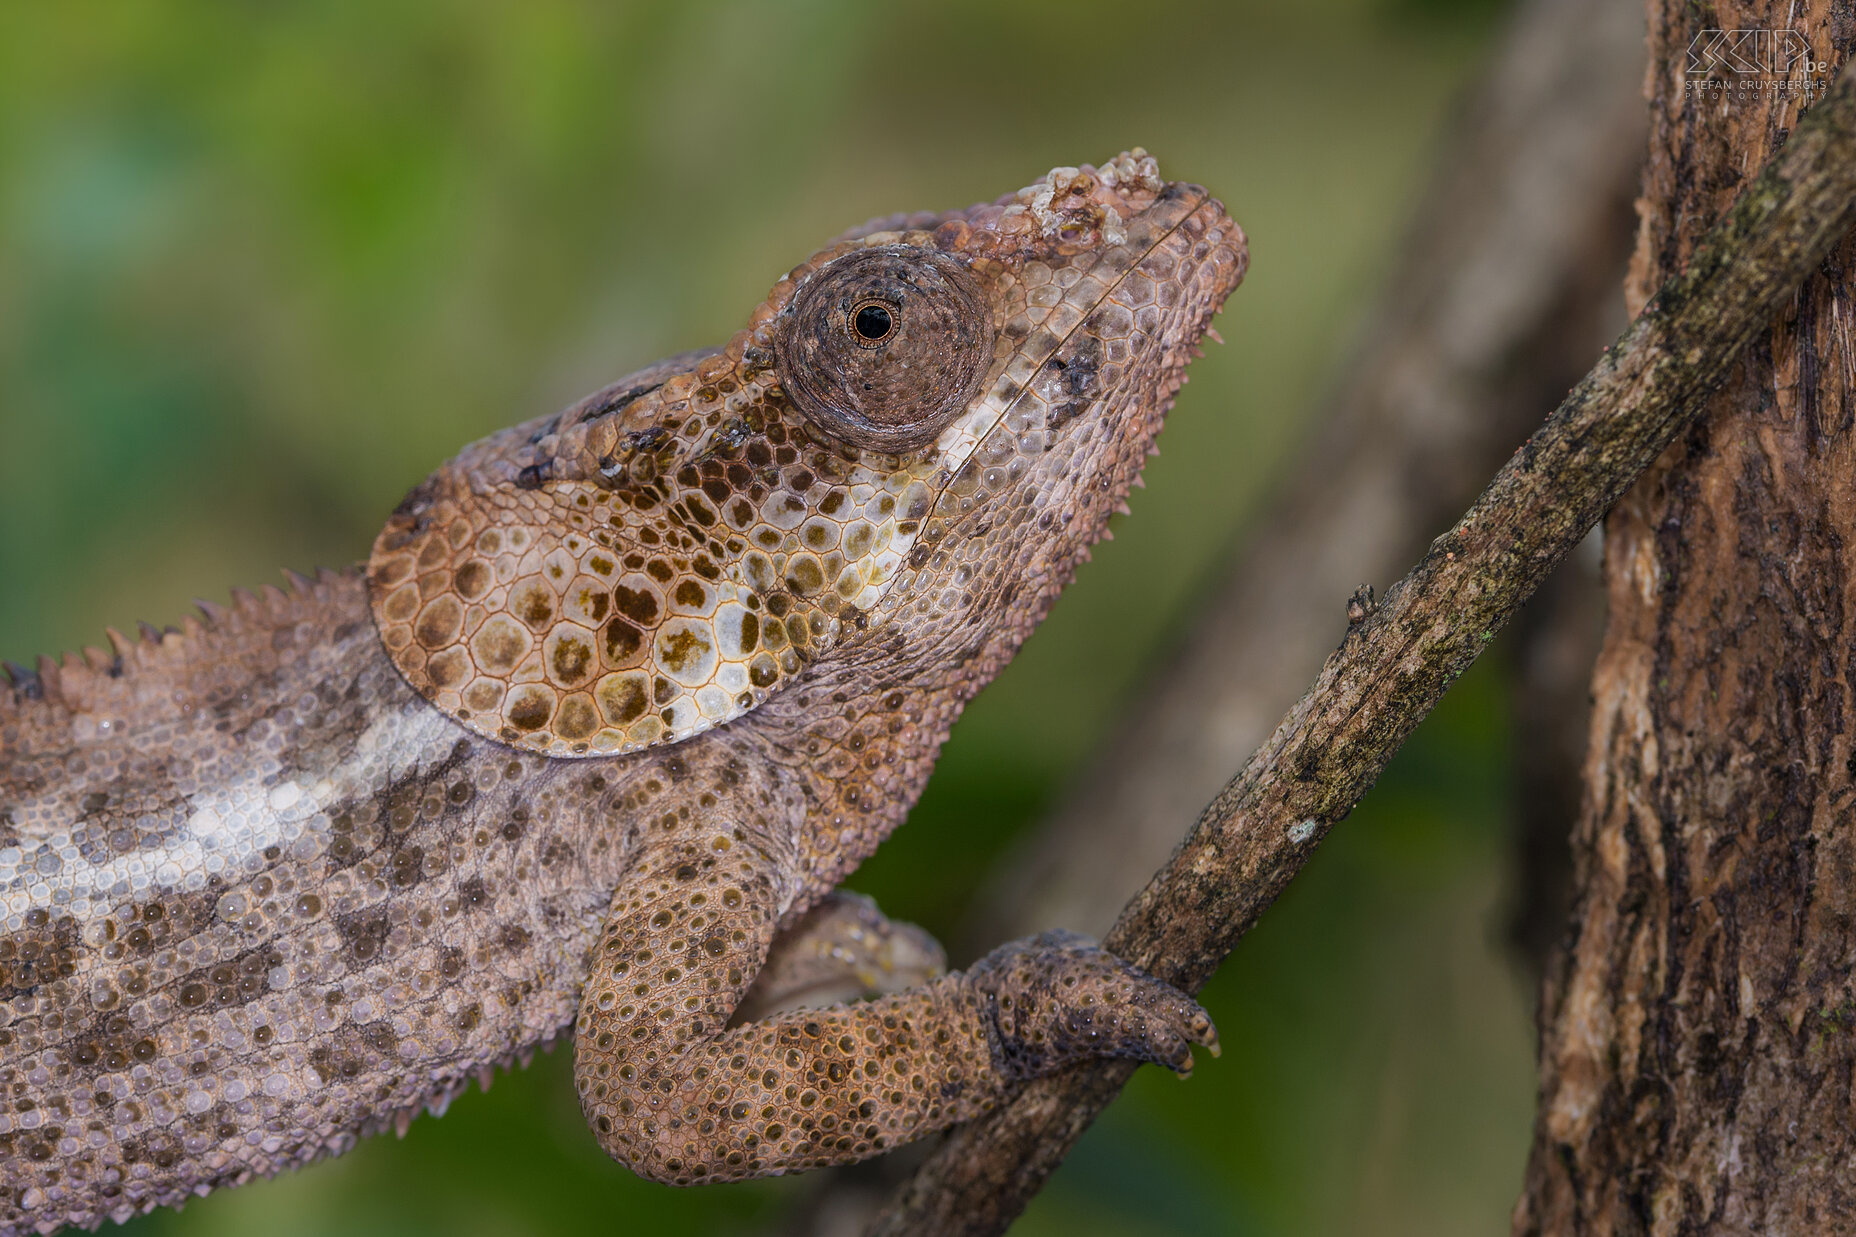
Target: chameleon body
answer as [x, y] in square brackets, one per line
[620, 697]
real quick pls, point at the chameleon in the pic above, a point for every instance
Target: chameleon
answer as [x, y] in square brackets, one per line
[586, 745]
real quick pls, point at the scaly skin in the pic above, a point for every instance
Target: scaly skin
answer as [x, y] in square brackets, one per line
[620, 698]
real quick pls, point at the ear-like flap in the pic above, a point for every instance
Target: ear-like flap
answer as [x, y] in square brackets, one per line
[579, 620]
[655, 561]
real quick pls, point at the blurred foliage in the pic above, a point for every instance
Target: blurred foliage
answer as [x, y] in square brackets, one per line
[263, 264]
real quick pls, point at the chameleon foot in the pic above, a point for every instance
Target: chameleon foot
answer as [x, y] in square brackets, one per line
[841, 950]
[680, 1093]
[1059, 998]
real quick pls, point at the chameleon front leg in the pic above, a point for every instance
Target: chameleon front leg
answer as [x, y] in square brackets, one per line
[843, 949]
[679, 1096]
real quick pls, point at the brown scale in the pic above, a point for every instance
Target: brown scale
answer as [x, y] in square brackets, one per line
[462, 894]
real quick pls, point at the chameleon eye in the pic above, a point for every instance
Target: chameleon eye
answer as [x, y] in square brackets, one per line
[885, 346]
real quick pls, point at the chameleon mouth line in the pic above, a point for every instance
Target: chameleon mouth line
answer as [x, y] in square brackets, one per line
[1190, 208]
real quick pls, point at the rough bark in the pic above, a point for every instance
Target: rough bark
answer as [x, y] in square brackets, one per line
[1398, 659]
[1698, 1057]
[1506, 288]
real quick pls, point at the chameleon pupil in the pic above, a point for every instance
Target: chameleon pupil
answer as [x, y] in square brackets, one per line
[873, 323]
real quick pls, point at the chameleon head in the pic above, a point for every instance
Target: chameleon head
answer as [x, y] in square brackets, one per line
[667, 553]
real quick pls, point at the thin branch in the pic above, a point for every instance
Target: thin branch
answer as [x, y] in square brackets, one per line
[1396, 662]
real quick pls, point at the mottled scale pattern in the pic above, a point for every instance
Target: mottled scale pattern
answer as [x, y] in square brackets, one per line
[304, 866]
[261, 900]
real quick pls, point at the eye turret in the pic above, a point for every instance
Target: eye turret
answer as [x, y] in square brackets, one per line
[885, 346]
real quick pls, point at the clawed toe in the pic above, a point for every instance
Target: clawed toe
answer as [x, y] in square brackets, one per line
[1204, 1033]
[1060, 998]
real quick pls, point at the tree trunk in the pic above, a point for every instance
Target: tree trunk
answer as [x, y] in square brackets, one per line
[1698, 1031]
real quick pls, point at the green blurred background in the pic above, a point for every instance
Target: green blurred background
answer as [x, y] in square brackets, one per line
[264, 264]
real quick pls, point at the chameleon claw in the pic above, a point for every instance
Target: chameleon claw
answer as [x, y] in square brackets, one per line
[1204, 1033]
